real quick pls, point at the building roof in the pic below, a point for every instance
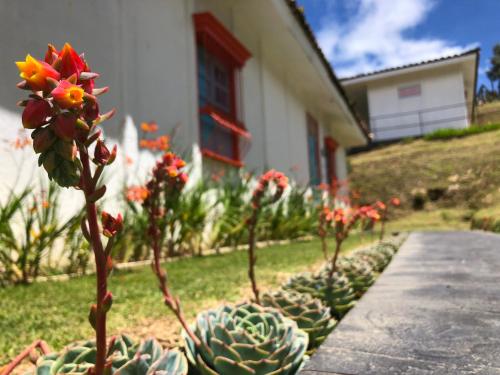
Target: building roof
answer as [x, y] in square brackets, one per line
[298, 12]
[474, 51]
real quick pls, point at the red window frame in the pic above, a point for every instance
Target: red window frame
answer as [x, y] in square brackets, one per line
[331, 161]
[223, 49]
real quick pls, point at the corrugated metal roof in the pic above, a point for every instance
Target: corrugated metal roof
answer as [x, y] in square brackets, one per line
[387, 70]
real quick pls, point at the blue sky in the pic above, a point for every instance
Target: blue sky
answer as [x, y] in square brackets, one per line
[359, 36]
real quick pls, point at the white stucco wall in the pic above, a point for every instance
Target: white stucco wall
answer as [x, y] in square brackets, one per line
[441, 104]
[145, 52]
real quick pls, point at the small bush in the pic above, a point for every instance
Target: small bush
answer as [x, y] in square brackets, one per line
[443, 134]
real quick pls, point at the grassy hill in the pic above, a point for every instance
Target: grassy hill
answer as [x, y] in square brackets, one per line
[488, 113]
[454, 178]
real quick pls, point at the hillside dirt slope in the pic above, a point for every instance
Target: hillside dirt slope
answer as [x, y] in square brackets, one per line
[456, 173]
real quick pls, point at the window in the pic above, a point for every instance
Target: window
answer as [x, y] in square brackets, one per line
[409, 91]
[331, 161]
[313, 151]
[220, 58]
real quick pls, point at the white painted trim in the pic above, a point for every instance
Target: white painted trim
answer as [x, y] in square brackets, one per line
[411, 69]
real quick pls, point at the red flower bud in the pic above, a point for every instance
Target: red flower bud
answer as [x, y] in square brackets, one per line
[396, 202]
[71, 63]
[35, 113]
[102, 155]
[183, 178]
[65, 126]
[43, 138]
[111, 225]
[107, 301]
[51, 55]
[91, 110]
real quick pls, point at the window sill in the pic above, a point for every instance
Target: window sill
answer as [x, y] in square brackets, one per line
[224, 159]
[223, 121]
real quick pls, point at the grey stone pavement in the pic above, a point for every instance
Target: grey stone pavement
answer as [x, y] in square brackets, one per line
[434, 310]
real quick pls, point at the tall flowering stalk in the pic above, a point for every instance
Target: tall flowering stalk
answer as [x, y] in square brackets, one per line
[259, 201]
[342, 221]
[323, 230]
[162, 191]
[384, 212]
[63, 112]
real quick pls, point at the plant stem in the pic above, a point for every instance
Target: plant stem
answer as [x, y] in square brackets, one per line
[324, 247]
[38, 344]
[100, 260]
[252, 259]
[172, 302]
[382, 225]
[334, 260]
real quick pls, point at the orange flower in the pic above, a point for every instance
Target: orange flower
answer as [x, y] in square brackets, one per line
[396, 202]
[149, 127]
[36, 73]
[159, 144]
[162, 143]
[381, 205]
[137, 194]
[21, 142]
[68, 95]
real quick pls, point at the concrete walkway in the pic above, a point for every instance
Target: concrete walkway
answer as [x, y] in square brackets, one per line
[435, 310]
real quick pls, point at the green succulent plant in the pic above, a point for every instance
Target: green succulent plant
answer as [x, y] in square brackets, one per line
[309, 313]
[378, 260]
[125, 357]
[246, 339]
[358, 271]
[388, 248]
[340, 296]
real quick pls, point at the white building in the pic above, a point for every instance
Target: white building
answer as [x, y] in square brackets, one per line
[416, 99]
[242, 83]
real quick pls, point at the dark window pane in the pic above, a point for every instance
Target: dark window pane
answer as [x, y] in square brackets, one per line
[217, 138]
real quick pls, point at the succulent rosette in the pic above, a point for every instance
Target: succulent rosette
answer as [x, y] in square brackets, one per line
[378, 257]
[339, 296]
[246, 339]
[309, 313]
[124, 357]
[358, 271]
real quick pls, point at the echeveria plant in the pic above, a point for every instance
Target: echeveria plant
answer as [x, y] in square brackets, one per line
[246, 339]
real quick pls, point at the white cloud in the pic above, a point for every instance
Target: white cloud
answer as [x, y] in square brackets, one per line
[374, 37]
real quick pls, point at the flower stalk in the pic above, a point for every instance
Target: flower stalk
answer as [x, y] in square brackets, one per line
[39, 345]
[63, 112]
[162, 191]
[260, 200]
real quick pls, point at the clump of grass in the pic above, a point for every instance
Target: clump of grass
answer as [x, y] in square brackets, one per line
[444, 134]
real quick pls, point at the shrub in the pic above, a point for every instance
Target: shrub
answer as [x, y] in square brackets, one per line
[444, 134]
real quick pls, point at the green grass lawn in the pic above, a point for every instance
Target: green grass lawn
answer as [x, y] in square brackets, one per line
[432, 219]
[57, 311]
